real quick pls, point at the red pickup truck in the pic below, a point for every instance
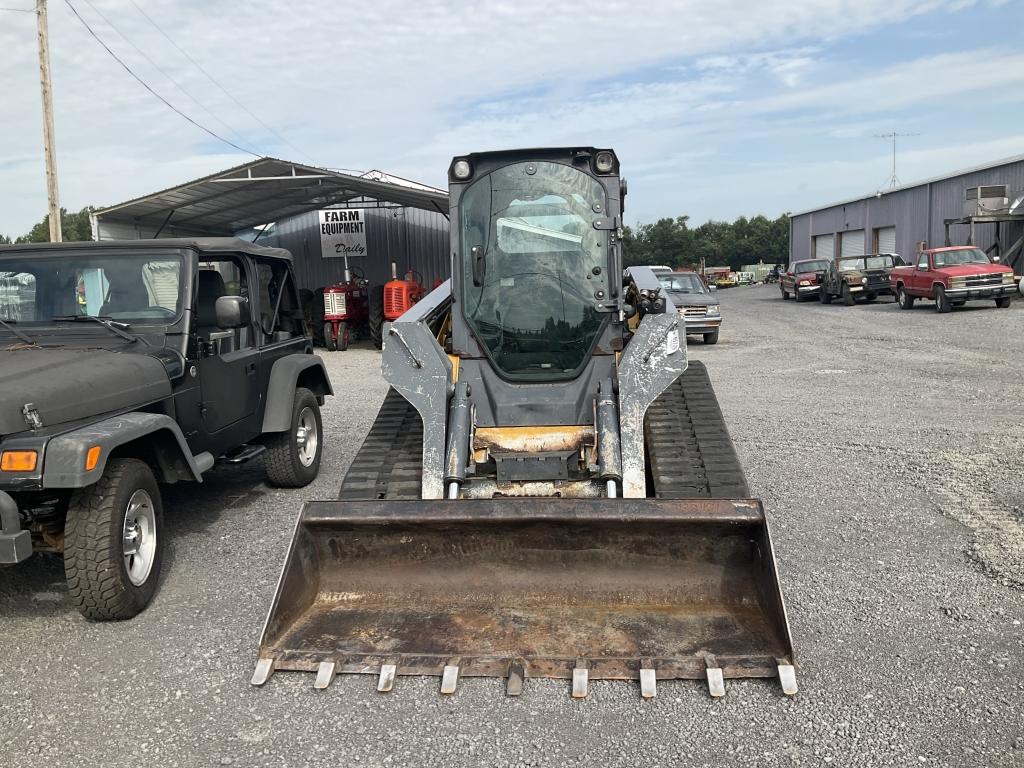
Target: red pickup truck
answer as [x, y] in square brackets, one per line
[952, 276]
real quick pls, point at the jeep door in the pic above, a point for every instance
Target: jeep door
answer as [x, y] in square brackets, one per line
[279, 317]
[228, 358]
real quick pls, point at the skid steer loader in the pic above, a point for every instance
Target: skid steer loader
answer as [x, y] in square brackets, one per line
[548, 490]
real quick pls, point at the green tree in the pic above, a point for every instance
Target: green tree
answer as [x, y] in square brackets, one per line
[74, 227]
[674, 243]
[5, 240]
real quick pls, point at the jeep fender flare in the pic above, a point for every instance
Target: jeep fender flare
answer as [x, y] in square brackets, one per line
[155, 436]
[288, 373]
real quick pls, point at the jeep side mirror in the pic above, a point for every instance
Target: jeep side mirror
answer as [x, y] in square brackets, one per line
[232, 312]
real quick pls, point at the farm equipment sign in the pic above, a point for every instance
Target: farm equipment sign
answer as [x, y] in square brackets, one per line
[342, 233]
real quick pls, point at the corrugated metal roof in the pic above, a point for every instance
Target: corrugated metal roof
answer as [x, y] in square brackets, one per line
[201, 244]
[923, 182]
[249, 195]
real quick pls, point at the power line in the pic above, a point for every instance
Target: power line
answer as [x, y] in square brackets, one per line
[213, 80]
[146, 85]
[159, 69]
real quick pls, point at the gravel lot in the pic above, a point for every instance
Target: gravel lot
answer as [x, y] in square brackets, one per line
[886, 447]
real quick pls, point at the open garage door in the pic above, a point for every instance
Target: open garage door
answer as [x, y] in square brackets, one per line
[886, 239]
[824, 247]
[852, 243]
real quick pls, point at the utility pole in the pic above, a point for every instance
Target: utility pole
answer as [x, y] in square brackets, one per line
[894, 179]
[49, 148]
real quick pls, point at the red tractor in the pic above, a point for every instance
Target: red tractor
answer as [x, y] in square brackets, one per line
[400, 295]
[346, 310]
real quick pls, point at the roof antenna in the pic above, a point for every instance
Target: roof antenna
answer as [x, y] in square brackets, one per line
[894, 180]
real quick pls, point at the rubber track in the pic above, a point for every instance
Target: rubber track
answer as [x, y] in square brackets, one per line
[689, 451]
[388, 464]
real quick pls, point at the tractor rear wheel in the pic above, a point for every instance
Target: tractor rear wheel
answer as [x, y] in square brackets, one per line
[377, 316]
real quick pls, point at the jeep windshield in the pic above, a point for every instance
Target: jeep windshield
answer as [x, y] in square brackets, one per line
[41, 288]
[534, 268]
[682, 283]
[960, 256]
[862, 263]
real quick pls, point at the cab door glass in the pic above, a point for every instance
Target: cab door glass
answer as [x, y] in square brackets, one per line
[922, 262]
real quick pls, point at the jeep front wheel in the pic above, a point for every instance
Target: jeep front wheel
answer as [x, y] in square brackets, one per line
[824, 296]
[113, 542]
[785, 293]
[293, 457]
[848, 299]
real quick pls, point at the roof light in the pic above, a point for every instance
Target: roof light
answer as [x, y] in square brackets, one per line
[604, 162]
[462, 170]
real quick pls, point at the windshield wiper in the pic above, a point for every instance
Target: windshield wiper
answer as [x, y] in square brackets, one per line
[7, 323]
[120, 329]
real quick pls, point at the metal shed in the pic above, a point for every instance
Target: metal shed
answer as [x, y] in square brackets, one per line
[896, 220]
[405, 222]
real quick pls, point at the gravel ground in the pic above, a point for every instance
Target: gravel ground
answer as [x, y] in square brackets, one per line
[886, 448]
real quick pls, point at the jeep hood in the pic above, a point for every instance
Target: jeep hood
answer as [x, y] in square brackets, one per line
[67, 385]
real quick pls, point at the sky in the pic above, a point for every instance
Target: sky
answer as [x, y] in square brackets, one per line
[716, 109]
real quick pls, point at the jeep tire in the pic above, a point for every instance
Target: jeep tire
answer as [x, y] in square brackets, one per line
[824, 295]
[113, 542]
[785, 295]
[293, 457]
[711, 337]
[848, 298]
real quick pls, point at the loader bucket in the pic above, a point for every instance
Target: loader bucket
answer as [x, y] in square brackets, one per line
[580, 589]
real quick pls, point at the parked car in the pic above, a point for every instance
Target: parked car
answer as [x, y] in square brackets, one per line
[693, 300]
[854, 278]
[127, 364]
[951, 277]
[802, 279]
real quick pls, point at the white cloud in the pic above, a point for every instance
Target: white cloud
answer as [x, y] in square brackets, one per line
[403, 85]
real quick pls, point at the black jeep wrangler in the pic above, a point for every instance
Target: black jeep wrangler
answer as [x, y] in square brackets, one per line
[132, 363]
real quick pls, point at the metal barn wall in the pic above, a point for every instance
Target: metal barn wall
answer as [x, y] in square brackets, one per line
[409, 236]
[917, 212]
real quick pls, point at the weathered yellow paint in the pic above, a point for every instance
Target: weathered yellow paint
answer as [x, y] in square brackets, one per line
[533, 439]
[454, 360]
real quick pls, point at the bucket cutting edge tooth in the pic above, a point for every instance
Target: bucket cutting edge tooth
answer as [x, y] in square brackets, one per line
[324, 674]
[787, 676]
[386, 681]
[264, 669]
[516, 676]
[580, 677]
[716, 683]
[449, 679]
[648, 683]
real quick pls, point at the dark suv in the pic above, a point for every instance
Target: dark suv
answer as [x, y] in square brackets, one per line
[132, 363]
